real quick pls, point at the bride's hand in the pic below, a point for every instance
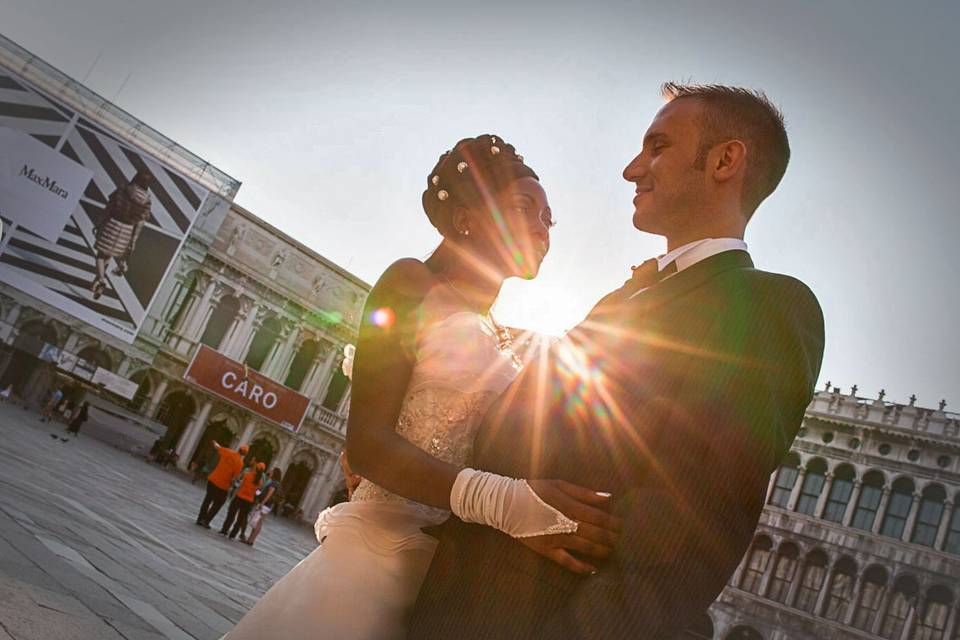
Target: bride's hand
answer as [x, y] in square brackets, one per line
[597, 530]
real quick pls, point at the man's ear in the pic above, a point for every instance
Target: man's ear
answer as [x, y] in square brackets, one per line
[728, 160]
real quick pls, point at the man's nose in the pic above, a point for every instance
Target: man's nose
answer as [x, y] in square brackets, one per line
[633, 170]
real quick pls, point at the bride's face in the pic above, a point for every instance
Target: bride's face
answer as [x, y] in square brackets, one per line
[513, 236]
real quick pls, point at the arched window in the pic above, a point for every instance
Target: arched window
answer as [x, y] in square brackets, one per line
[263, 341]
[898, 610]
[96, 357]
[839, 496]
[932, 621]
[814, 573]
[898, 508]
[301, 364]
[783, 573]
[220, 321]
[871, 593]
[335, 390]
[756, 565]
[812, 486]
[841, 589]
[786, 478]
[870, 495]
[952, 544]
[929, 515]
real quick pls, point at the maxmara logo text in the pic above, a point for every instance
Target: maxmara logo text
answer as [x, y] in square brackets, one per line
[43, 181]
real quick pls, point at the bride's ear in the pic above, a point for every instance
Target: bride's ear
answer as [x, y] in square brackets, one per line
[460, 222]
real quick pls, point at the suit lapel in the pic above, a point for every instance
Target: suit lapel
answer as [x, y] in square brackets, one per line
[688, 279]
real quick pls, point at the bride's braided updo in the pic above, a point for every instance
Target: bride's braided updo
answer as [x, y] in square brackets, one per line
[470, 175]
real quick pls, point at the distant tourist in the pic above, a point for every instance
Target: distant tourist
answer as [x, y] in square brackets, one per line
[241, 504]
[47, 414]
[7, 394]
[219, 481]
[268, 494]
[78, 419]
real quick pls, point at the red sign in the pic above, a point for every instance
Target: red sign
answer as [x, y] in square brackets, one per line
[247, 388]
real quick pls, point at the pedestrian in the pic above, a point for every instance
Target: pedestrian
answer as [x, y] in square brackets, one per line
[51, 405]
[219, 481]
[241, 504]
[78, 419]
[265, 499]
[7, 394]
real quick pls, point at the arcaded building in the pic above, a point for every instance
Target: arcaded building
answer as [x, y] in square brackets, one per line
[860, 537]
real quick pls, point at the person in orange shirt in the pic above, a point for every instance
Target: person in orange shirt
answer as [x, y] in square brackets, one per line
[219, 481]
[241, 504]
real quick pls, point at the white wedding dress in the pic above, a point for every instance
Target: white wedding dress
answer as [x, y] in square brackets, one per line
[363, 579]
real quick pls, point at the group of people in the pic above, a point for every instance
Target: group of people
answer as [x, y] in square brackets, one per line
[254, 493]
[609, 487]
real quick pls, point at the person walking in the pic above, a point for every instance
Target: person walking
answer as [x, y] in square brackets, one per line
[78, 419]
[241, 504]
[219, 481]
[270, 490]
[51, 405]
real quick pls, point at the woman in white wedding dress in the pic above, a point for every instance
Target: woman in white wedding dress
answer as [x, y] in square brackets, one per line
[430, 360]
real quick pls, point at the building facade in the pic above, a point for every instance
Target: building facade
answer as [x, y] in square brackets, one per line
[860, 537]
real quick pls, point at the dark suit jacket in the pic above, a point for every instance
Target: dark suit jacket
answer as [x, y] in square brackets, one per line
[681, 402]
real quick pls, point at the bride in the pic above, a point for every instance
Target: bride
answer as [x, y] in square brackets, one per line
[430, 360]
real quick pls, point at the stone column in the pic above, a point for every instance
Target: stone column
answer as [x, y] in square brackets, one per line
[912, 518]
[240, 331]
[308, 503]
[70, 345]
[202, 310]
[795, 584]
[824, 591]
[882, 609]
[772, 559]
[852, 505]
[276, 362]
[188, 442]
[331, 469]
[124, 367]
[284, 458]
[855, 596]
[14, 315]
[944, 527]
[247, 431]
[911, 620]
[155, 399]
[323, 376]
[881, 510]
[824, 493]
[771, 485]
[951, 620]
[798, 485]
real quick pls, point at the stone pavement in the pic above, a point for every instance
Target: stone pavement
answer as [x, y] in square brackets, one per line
[96, 543]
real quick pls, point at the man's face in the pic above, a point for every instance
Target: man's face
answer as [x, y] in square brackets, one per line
[669, 188]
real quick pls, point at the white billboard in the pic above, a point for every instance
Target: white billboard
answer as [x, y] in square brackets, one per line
[91, 224]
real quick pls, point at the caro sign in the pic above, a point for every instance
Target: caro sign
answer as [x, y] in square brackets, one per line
[247, 388]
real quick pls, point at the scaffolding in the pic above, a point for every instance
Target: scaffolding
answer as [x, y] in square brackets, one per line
[56, 84]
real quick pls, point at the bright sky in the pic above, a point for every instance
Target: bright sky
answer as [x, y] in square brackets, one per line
[333, 113]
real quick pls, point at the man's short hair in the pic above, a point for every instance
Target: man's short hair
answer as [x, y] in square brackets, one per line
[735, 113]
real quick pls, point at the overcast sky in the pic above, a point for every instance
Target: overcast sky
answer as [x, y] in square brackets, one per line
[333, 113]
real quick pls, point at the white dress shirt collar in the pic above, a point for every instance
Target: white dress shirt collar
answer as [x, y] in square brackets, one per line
[693, 252]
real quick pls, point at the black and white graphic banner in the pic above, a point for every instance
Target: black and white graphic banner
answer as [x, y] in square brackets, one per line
[91, 225]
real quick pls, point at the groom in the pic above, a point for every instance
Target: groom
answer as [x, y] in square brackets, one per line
[680, 394]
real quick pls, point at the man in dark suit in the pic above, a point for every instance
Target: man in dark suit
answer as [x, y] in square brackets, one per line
[679, 394]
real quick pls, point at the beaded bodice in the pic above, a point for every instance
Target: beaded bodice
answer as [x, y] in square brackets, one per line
[461, 368]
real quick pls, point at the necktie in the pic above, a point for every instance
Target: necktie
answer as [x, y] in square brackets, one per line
[648, 274]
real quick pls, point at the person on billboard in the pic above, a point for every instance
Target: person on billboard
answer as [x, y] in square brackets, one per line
[219, 481]
[127, 210]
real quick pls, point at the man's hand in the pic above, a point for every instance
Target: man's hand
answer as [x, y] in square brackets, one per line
[597, 530]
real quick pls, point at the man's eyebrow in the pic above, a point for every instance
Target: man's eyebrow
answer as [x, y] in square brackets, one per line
[654, 137]
[523, 195]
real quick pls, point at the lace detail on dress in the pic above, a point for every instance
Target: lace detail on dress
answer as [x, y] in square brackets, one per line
[461, 369]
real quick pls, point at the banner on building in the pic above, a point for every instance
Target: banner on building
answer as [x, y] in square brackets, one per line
[247, 388]
[114, 383]
[91, 224]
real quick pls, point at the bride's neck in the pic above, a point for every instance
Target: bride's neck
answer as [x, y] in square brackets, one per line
[475, 281]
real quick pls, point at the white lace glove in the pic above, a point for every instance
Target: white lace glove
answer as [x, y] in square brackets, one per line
[505, 504]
